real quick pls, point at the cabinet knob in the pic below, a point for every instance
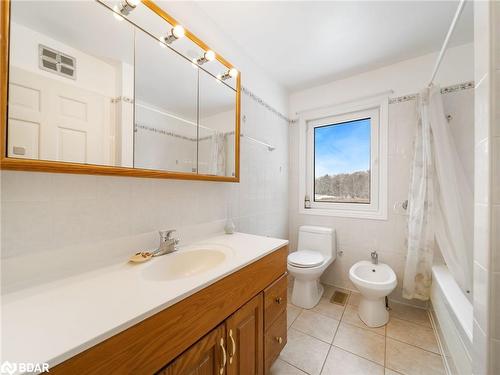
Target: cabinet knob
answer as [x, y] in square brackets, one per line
[278, 300]
[279, 339]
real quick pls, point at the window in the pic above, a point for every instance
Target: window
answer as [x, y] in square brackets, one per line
[345, 164]
[342, 162]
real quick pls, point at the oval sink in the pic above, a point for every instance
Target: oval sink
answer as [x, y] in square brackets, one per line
[183, 264]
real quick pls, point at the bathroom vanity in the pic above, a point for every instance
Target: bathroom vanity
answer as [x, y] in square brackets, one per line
[158, 317]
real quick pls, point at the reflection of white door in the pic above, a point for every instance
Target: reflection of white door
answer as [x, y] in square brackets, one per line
[50, 120]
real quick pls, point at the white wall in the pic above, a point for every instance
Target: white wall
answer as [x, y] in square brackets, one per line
[406, 77]
[357, 237]
[495, 184]
[92, 73]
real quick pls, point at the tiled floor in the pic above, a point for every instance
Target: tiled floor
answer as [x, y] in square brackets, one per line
[331, 339]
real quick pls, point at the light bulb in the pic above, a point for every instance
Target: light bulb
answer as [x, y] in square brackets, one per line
[133, 3]
[178, 31]
[209, 55]
[233, 73]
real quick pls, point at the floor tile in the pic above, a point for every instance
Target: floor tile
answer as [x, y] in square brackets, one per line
[412, 314]
[354, 298]
[329, 309]
[340, 362]
[292, 312]
[305, 352]
[280, 367]
[351, 316]
[360, 341]
[412, 333]
[410, 360]
[316, 325]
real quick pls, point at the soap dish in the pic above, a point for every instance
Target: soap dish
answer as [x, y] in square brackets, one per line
[141, 256]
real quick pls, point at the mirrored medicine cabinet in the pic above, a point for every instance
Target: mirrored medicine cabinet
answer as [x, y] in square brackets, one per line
[114, 87]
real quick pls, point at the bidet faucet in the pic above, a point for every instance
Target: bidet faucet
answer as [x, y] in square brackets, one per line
[168, 244]
[374, 257]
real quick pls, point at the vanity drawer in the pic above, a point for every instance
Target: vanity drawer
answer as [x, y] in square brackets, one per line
[275, 299]
[275, 340]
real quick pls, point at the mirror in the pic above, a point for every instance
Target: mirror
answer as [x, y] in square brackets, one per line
[166, 108]
[68, 63]
[216, 141]
[91, 86]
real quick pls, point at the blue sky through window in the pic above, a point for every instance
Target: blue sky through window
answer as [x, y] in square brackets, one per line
[342, 148]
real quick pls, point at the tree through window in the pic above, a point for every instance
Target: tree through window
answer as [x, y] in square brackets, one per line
[342, 162]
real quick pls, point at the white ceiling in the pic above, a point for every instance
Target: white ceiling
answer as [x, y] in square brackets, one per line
[303, 44]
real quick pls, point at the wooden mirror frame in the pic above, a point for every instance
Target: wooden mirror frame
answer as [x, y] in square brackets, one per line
[78, 168]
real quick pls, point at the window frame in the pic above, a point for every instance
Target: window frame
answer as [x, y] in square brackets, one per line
[375, 109]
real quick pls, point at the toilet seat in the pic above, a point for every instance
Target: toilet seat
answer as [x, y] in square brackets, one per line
[305, 259]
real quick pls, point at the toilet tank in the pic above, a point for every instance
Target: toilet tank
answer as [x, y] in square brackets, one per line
[321, 239]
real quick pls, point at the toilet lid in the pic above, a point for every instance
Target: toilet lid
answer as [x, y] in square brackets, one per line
[305, 258]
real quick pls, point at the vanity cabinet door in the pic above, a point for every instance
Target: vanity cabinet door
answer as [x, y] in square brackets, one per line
[206, 357]
[245, 339]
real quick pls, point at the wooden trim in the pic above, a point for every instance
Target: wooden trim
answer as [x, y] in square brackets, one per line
[75, 168]
[35, 165]
[153, 343]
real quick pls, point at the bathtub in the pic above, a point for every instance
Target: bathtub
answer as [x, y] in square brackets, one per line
[451, 313]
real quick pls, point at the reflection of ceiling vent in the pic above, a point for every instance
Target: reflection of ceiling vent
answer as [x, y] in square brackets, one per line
[56, 62]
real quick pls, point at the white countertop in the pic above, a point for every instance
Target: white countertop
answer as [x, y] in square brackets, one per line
[55, 321]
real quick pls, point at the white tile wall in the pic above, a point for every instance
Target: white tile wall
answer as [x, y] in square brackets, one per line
[56, 225]
[487, 245]
[495, 306]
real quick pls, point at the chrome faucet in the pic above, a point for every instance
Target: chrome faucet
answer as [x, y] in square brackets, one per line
[168, 244]
[374, 257]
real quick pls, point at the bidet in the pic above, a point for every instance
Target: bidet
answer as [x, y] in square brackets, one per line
[375, 282]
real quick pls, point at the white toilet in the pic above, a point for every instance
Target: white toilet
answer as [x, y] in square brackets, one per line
[315, 252]
[375, 282]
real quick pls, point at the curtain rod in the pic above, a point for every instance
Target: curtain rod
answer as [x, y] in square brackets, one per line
[460, 8]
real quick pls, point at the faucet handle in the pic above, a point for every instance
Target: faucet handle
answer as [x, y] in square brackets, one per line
[374, 254]
[166, 234]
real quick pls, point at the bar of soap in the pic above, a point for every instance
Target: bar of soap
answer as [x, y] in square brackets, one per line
[142, 256]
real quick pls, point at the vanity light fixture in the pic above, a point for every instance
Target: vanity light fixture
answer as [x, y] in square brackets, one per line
[176, 32]
[231, 73]
[207, 56]
[128, 6]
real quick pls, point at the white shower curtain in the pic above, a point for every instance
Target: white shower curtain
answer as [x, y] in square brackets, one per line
[218, 154]
[440, 203]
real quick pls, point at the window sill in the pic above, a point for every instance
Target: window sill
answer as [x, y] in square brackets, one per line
[353, 214]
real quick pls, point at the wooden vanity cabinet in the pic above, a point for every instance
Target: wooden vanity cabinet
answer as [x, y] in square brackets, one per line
[245, 339]
[206, 357]
[236, 325]
[236, 347]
